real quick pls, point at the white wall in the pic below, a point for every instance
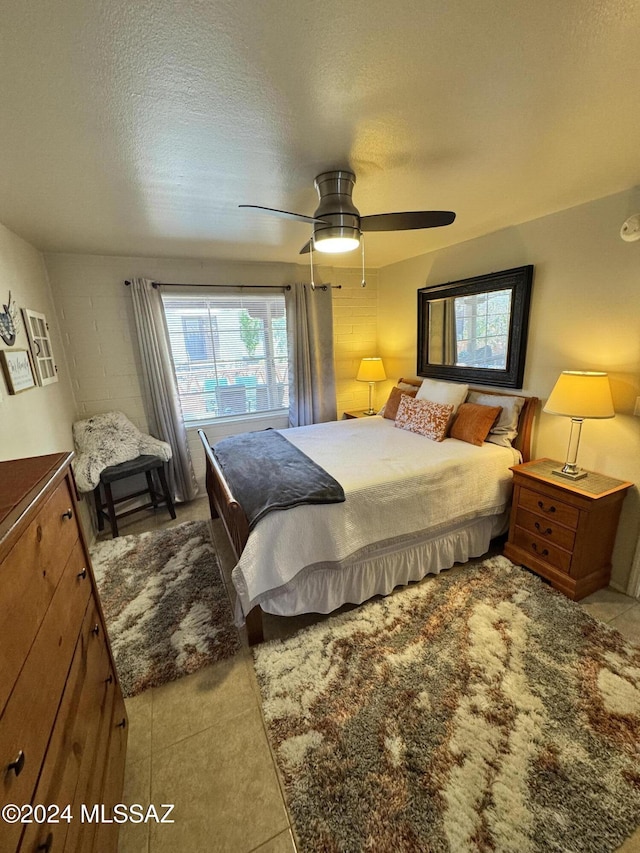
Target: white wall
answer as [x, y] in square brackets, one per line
[96, 319]
[38, 420]
[585, 315]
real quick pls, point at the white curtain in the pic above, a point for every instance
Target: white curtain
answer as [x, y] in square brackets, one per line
[166, 421]
[312, 386]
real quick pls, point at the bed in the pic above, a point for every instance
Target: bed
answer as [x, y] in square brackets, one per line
[421, 507]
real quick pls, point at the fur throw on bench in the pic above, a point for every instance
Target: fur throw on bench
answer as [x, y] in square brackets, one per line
[109, 439]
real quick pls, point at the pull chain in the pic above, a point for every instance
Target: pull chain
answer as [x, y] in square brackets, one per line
[363, 283]
[313, 284]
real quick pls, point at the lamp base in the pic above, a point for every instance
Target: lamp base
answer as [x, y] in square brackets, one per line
[368, 411]
[578, 474]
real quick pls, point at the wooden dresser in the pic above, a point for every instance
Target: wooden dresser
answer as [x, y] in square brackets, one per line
[564, 529]
[63, 724]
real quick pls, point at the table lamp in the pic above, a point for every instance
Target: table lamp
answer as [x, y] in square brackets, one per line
[371, 370]
[579, 395]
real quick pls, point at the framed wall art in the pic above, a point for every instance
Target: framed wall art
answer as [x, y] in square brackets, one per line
[17, 370]
[40, 344]
[8, 322]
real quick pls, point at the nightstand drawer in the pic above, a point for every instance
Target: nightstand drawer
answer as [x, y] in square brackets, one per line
[543, 550]
[546, 527]
[549, 507]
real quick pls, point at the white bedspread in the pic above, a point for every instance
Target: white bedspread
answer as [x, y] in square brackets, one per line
[396, 483]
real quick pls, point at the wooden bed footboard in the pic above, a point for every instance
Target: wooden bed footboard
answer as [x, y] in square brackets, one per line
[224, 506]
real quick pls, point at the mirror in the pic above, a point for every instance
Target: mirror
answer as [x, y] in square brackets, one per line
[475, 330]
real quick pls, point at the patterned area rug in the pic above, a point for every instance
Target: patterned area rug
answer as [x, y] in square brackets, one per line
[479, 711]
[165, 604]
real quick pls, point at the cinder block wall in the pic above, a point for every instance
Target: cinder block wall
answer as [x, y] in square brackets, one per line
[355, 321]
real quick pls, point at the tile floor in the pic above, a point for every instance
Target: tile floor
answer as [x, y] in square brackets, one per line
[200, 743]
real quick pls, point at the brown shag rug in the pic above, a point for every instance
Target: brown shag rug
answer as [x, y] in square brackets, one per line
[165, 604]
[477, 711]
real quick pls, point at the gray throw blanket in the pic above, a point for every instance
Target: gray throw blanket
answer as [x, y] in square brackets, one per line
[266, 472]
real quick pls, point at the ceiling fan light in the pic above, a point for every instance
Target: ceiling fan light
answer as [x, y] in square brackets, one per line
[335, 245]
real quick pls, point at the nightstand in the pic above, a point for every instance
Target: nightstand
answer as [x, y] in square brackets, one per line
[360, 414]
[562, 529]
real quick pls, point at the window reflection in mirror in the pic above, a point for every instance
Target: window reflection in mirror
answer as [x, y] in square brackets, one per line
[470, 331]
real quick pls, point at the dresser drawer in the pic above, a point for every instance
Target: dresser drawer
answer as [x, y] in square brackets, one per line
[90, 781]
[106, 838]
[543, 504]
[77, 718]
[547, 528]
[27, 720]
[543, 550]
[28, 579]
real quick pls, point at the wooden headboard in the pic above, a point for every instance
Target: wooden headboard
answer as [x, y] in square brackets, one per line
[525, 421]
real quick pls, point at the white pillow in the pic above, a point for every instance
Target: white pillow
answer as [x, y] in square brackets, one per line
[449, 393]
[504, 431]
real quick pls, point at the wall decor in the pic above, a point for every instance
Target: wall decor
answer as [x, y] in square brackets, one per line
[17, 370]
[475, 330]
[40, 345]
[8, 323]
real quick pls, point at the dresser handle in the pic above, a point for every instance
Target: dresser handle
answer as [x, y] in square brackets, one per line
[109, 680]
[540, 530]
[95, 630]
[68, 514]
[544, 508]
[47, 844]
[83, 574]
[122, 724]
[543, 553]
[18, 765]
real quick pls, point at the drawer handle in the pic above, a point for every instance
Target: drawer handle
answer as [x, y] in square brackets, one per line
[109, 680]
[95, 630]
[540, 530]
[546, 509]
[122, 724]
[47, 844]
[83, 574]
[18, 765]
[543, 553]
[68, 514]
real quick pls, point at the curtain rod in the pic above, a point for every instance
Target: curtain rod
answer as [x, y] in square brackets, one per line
[157, 284]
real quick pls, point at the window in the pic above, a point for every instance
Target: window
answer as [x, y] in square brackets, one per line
[200, 344]
[40, 344]
[482, 329]
[229, 353]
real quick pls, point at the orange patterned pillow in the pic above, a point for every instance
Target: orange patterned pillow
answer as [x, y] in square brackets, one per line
[391, 406]
[473, 422]
[424, 417]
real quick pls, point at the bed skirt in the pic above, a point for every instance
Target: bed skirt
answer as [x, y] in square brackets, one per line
[322, 590]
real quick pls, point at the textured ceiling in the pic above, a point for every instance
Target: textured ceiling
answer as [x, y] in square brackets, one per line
[136, 128]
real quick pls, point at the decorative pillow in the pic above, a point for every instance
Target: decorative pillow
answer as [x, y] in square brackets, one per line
[504, 431]
[472, 422]
[391, 407]
[449, 393]
[424, 417]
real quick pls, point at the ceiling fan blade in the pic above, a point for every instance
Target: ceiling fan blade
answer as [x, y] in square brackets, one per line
[283, 213]
[407, 221]
[306, 248]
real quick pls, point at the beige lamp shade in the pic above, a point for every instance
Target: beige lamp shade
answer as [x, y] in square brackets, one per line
[371, 370]
[581, 394]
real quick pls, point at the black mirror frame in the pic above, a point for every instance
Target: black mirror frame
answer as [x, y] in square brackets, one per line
[519, 280]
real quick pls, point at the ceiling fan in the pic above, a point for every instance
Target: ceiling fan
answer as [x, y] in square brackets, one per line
[337, 224]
